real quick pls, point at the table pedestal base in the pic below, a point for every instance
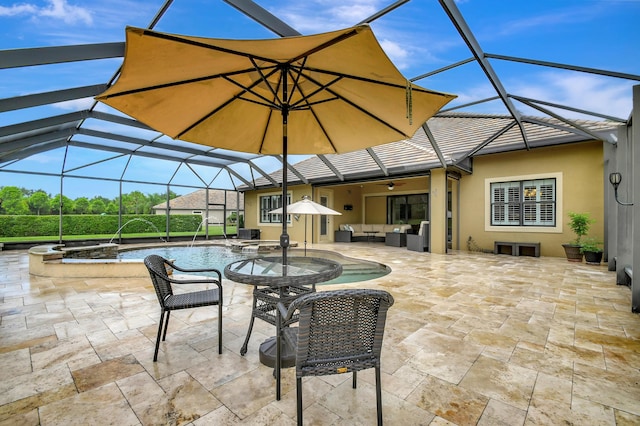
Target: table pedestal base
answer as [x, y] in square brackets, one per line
[268, 353]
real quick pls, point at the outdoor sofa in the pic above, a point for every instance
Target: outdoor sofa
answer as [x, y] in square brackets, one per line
[367, 231]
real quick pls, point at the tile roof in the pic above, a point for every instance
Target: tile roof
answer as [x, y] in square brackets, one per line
[456, 135]
[197, 200]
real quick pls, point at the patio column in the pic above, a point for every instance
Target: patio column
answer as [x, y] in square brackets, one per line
[438, 213]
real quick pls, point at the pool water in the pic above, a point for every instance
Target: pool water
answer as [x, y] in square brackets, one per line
[217, 257]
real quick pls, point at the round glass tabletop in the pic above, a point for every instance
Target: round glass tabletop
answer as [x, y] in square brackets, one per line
[270, 271]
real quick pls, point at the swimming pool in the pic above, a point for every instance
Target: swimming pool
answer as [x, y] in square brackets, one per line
[354, 270]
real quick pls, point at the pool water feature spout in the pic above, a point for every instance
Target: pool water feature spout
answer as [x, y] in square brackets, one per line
[136, 219]
[206, 219]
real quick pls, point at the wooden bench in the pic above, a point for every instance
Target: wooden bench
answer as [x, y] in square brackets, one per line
[516, 248]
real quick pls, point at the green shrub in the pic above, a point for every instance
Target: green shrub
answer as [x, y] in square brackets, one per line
[591, 244]
[579, 224]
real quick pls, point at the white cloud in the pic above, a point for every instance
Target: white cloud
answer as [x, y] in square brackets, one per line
[56, 9]
[398, 55]
[584, 91]
[313, 16]
[75, 104]
[18, 9]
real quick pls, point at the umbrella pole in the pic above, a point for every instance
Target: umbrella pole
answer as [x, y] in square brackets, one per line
[305, 235]
[284, 238]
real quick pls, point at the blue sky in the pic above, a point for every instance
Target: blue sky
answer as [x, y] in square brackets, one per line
[418, 37]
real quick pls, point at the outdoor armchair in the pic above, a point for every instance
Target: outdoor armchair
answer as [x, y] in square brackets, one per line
[338, 332]
[419, 242]
[158, 270]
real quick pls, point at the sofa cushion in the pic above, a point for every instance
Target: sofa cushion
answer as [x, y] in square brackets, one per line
[389, 228]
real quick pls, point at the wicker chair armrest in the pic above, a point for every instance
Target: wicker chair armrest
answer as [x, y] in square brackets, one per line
[180, 269]
[285, 313]
[195, 281]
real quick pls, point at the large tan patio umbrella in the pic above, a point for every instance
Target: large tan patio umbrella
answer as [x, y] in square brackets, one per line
[327, 93]
[306, 207]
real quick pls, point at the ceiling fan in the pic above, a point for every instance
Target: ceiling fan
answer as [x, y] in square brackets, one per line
[391, 185]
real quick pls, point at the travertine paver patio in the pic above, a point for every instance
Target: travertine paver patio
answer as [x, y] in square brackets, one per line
[472, 339]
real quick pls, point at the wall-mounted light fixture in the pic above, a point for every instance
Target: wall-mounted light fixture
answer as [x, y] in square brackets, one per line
[615, 179]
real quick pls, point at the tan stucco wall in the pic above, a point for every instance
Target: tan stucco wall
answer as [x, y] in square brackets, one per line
[273, 231]
[376, 209]
[348, 196]
[580, 168]
[438, 217]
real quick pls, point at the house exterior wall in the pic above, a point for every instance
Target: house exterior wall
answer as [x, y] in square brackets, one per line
[348, 196]
[580, 188]
[578, 168]
[376, 209]
[272, 231]
[215, 216]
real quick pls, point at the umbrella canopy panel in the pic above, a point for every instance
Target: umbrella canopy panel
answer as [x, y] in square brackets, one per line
[339, 89]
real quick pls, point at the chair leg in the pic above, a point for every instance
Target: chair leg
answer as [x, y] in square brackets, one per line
[299, 400]
[155, 354]
[166, 325]
[243, 349]
[378, 396]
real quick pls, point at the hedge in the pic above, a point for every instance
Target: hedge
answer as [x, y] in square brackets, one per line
[34, 226]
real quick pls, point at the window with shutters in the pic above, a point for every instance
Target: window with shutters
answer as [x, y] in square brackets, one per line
[524, 203]
[269, 203]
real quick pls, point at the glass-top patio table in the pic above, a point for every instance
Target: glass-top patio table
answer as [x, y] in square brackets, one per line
[274, 282]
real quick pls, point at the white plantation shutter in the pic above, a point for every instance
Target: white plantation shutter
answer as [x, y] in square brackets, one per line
[505, 204]
[523, 203]
[272, 202]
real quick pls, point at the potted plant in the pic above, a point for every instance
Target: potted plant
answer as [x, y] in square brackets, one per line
[592, 250]
[579, 224]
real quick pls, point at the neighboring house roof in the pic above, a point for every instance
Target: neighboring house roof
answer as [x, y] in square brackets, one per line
[460, 136]
[197, 200]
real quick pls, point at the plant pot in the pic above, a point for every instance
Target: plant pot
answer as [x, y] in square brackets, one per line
[593, 257]
[573, 252]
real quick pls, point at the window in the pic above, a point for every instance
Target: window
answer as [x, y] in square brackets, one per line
[524, 203]
[272, 202]
[411, 209]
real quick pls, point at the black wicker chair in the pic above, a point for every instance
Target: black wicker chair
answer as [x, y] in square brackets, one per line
[158, 267]
[338, 332]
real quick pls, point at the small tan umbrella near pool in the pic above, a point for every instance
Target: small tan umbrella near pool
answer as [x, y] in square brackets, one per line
[306, 207]
[326, 93]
